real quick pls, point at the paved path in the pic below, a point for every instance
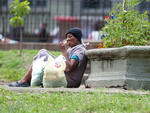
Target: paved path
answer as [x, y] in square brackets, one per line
[81, 89]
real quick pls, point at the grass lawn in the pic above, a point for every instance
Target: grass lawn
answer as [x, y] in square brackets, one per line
[13, 67]
[12, 102]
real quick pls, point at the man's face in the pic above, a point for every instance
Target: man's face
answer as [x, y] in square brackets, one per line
[71, 40]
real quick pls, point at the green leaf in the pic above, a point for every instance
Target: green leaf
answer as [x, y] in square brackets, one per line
[17, 21]
[18, 11]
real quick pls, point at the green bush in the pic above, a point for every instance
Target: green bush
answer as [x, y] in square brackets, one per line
[129, 27]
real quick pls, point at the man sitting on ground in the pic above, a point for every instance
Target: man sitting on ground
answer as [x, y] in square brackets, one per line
[74, 52]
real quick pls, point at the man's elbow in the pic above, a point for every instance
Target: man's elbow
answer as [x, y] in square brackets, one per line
[68, 69]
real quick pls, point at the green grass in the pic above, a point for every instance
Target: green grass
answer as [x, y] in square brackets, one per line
[12, 102]
[13, 66]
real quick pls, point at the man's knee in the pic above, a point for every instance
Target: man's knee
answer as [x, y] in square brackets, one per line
[43, 51]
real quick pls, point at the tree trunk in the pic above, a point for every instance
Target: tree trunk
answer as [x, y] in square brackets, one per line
[20, 43]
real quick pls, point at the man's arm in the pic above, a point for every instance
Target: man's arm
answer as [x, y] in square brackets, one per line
[71, 64]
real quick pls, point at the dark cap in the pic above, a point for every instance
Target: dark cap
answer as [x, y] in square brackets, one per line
[76, 32]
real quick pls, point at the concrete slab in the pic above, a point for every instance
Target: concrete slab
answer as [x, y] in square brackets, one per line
[72, 90]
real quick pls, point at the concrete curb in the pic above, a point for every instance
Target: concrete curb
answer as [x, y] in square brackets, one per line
[72, 90]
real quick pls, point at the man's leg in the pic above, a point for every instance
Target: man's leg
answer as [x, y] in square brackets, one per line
[27, 76]
[43, 52]
[25, 81]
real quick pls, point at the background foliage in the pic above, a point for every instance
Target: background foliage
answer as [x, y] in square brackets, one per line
[129, 27]
[18, 11]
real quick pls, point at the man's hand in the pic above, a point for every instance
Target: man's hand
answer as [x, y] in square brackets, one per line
[63, 46]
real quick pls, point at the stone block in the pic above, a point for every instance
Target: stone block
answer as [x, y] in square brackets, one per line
[127, 67]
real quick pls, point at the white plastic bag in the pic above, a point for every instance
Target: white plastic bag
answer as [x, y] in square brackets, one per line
[54, 72]
[37, 71]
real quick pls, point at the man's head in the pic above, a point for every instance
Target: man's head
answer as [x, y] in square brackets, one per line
[74, 36]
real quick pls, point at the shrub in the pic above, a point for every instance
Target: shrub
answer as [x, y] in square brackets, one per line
[129, 27]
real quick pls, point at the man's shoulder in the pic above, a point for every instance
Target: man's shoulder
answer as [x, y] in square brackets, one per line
[80, 47]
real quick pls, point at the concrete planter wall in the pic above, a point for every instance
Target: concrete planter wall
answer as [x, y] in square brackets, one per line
[127, 67]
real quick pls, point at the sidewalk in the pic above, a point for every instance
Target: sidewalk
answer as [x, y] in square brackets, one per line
[74, 90]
